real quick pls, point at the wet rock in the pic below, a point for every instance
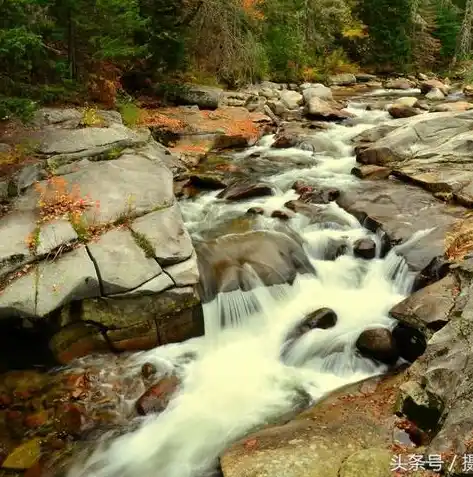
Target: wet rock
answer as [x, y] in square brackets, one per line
[365, 248]
[279, 214]
[429, 307]
[399, 83]
[379, 345]
[246, 190]
[230, 262]
[284, 141]
[207, 181]
[148, 370]
[365, 77]
[69, 419]
[433, 272]
[255, 211]
[410, 342]
[318, 108]
[397, 211]
[333, 249]
[401, 111]
[346, 426]
[317, 214]
[410, 101]
[157, 397]
[299, 185]
[321, 196]
[24, 456]
[323, 319]
[371, 172]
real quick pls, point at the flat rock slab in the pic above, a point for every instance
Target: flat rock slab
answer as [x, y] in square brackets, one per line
[58, 141]
[185, 273]
[54, 234]
[122, 265]
[50, 285]
[167, 235]
[15, 230]
[129, 186]
[402, 210]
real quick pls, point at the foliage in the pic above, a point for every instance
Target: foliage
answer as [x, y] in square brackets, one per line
[22, 108]
[131, 113]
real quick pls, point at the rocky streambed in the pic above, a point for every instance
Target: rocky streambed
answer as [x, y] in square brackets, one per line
[310, 280]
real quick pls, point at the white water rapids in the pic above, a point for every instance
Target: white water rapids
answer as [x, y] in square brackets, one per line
[237, 379]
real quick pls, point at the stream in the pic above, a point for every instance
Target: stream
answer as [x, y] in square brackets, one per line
[233, 378]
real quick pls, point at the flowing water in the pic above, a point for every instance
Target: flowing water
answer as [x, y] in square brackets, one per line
[236, 379]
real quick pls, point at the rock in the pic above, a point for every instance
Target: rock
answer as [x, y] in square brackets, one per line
[371, 172]
[159, 154]
[26, 177]
[345, 427]
[364, 248]
[53, 284]
[400, 210]
[67, 118]
[125, 187]
[281, 110]
[291, 99]
[468, 90]
[379, 345]
[207, 181]
[401, 111]
[275, 257]
[319, 109]
[369, 463]
[317, 214]
[163, 232]
[24, 456]
[435, 94]
[443, 139]
[317, 91]
[116, 249]
[429, 307]
[334, 249]
[365, 77]
[87, 141]
[185, 273]
[157, 397]
[206, 97]
[282, 141]
[15, 228]
[255, 211]
[344, 79]
[437, 269]
[399, 83]
[69, 419]
[279, 214]
[457, 106]
[433, 84]
[53, 234]
[148, 370]
[323, 319]
[410, 342]
[410, 101]
[419, 405]
[241, 190]
[321, 196]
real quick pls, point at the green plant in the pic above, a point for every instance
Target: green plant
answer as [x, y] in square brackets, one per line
[21, 108]
[143, 242]
[131, 113]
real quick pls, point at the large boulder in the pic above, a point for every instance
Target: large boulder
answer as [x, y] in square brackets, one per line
[65, 241]
[318, 108]
[291, 99]
[317, 91]
[241, 261]
[433, 151]
[206, 97]
[343, 79]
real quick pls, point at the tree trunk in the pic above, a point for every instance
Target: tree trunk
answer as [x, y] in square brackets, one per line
[464, 39]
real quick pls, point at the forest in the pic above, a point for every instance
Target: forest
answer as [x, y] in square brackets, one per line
[80, 50]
